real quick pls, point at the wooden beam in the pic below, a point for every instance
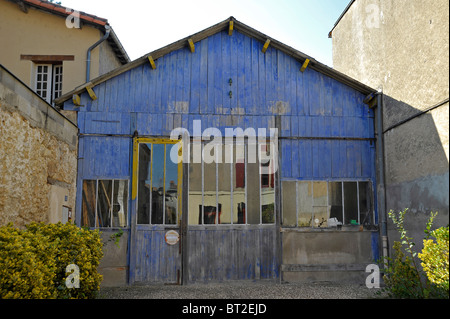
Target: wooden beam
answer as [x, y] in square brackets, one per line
[266, 45]
[191, 45]
[46, 58]
[91, 92]
[230, 28]
[152, 62]
[305, 65]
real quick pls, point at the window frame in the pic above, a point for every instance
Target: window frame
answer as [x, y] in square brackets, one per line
[135, 178]
[235, 184]
[342, 181]
[54, 70]
[127, 201]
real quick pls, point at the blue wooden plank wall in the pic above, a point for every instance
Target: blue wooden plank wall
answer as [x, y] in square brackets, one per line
[189, 86]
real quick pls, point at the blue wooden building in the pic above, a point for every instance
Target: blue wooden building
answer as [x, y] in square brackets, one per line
[291, 198]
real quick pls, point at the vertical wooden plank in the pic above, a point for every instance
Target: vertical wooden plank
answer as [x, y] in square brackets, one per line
[301, 91]
[211, 62]
[254, 58]
[286, 155]
[226, 72]
[203, 79]
[314, 92]
[219, 81]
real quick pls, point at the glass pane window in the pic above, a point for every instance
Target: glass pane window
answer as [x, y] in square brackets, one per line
[158, 185]
[105, 203]
[225, 187]
[326, 204]
[48, 81]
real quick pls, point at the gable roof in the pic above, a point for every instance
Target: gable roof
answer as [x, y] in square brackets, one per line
[222, 26]
[86, 18]
[330, 34]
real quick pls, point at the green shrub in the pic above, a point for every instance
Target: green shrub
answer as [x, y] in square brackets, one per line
[33, 261]
[403, 276]
[434, 259]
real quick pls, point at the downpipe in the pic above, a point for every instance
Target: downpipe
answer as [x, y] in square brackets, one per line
[88, 59]
[381, 185]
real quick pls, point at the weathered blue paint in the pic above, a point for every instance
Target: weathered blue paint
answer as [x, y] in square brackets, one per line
[189, 86]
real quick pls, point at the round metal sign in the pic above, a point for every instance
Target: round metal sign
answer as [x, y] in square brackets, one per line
[172, 237]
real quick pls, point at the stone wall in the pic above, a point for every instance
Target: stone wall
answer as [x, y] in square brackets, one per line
[38, 156]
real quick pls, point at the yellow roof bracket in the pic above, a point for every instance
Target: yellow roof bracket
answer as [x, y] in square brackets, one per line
[266, 45]
[191, 45]
[76, 100]
[230, 28]
[152, 62]
[305, 65]
[91, 92]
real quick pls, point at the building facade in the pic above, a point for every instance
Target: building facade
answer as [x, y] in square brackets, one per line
[46, 46]
[401, 48]
[43, 53]
[228, 155]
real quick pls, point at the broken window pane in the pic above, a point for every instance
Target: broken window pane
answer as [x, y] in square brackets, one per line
[88, 203]
[335, 200]
[104, 202]
[120, 203]
[289, 203]
[171, 188]
[365, 205]
[350, 203]
[144, 184]
[195, 185]
[157, 185]
[305, 204]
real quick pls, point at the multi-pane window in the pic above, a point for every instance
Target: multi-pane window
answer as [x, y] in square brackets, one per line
[105, 203]
[316, 203]
[48, 81]
[235, 187]
[158, 183]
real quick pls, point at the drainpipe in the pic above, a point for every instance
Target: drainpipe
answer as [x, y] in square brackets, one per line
[381, 185]
[88, 60]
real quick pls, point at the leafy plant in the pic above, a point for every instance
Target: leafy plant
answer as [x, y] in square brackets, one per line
[403, 276]
[34, 260]
[116, 237]
[434, 259]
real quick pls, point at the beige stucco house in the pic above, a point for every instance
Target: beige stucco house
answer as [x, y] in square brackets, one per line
[46, 50]
[48, 46]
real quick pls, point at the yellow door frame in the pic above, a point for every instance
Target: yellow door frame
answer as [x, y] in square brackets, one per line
[134, 177]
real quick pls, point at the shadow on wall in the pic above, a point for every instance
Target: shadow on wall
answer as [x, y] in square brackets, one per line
[416, 163]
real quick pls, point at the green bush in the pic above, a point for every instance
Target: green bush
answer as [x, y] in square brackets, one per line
[403, 276]
[33, 261]
[434, 259]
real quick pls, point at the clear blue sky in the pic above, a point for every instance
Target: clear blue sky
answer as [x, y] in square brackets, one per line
[146, 25]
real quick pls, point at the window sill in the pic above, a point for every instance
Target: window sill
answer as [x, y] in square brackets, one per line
[345, 228]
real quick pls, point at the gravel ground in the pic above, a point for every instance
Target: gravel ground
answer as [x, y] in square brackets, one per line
[247, 290]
